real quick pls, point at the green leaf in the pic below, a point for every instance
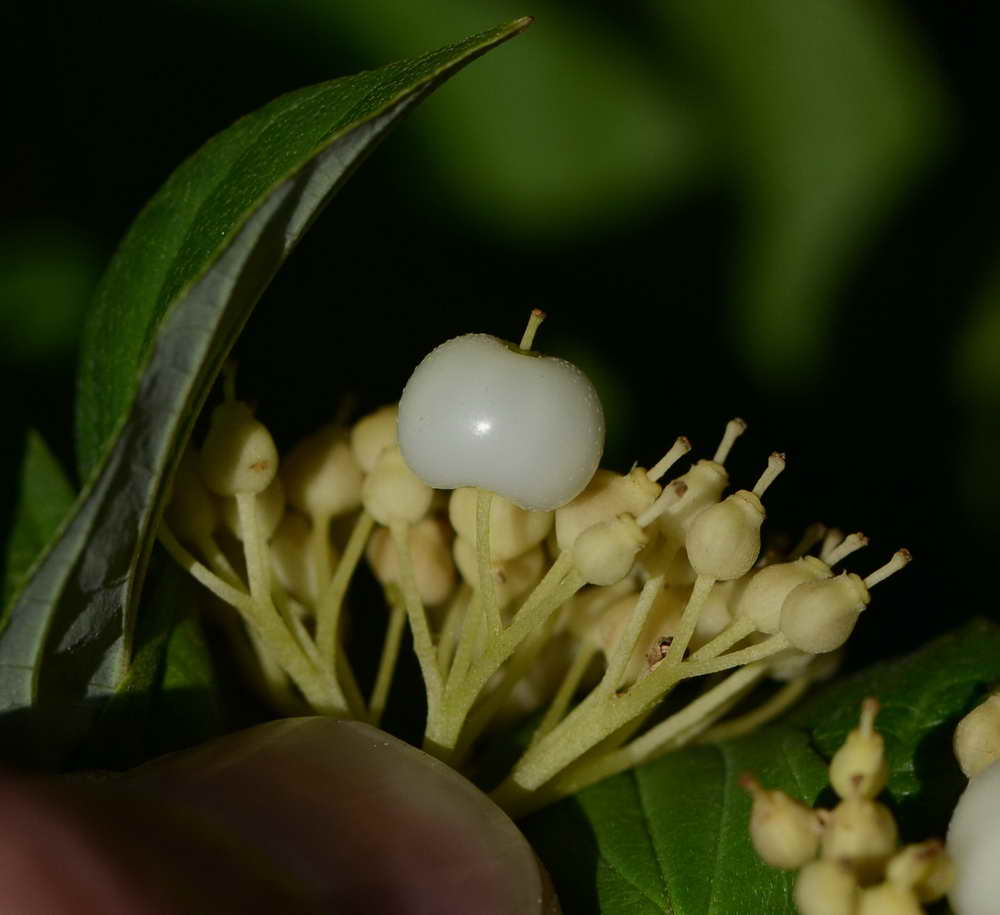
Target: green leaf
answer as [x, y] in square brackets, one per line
[170, 307]
[44, 498]
[830, 112]
[672, 836]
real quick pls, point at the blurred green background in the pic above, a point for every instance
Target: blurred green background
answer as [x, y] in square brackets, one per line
[780, 209]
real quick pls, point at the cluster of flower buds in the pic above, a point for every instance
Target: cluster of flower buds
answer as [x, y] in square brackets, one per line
[848, 858]
[527, 575]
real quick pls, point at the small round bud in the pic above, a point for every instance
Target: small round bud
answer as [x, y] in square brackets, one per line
[826, 887]
[193, 512]
[371, 434]
[270, 510]
[661, 624]
[974, 845]
[863, 835]
[605, 553]
[430, 554]
[512, 578]
[291, 561]
[926, 868]
[889, 899]
[785, 832]
[513, 530]
[977, 737]
[724, 540]
[239, 455]
[819, 616]
[858, 768]
[393, 492]
[606, 496]
[768, 587]
[322, 479]
[792, 664]
[717, 611]
[701, 487]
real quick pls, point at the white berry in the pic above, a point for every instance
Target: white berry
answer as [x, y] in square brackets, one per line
[481, 412]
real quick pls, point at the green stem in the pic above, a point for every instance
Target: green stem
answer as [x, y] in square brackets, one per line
[567, 690]
[390, 654]
[487, 591]
[331, 601]
[423, 644]
[622, 654]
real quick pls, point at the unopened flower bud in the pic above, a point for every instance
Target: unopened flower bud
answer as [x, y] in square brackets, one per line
[605, 553]
[785, 832]
[393, 492]
[512, 578]
[239, 455]
[291, 560]
[826, 887]
[270, 510]
[977, 737]
[889, 899]
[513, 530]
[373, 433]
[862, 834]
[322, 479]
[925, 868]
[819, 616]
[858, 768]
[430, 554]
[717, 611]
[792, 664]
[606, 496]
[724, 540]
[193, 512]
[661, 623]
[768, 587]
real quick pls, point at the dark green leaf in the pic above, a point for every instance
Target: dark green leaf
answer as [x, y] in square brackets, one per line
[672, 836]
[44, 498]
[174, 299]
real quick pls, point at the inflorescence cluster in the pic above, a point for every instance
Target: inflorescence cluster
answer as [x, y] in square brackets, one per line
[533, 581]
[848, 858]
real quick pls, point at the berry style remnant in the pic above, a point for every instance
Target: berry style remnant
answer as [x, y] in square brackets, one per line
[848, 858]
[536, 579]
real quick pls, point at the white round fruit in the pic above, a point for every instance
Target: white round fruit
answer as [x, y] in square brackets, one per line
[478, 411]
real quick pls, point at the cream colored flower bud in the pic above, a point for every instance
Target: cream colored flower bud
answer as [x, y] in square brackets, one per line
[193, 512]
[703, 486]
[889, 899]
[925, 868]
[792, 664]
[785, 832]
[393, 492]
[606, 496]
[430, 554]
[291, 559]
[239, 455]
[605, 553]
[661, 624]
[270, 510]
[977, 737]
[858, 768]
[373, 433]
[768, 587]
[582, 614]
[724, 540]
[820, 616]
[717, 611]
[862, 834]
[322, 479]
[513, 530]
[512, 578]
[826, 887]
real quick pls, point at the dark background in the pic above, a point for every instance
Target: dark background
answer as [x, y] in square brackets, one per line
[783, 210]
